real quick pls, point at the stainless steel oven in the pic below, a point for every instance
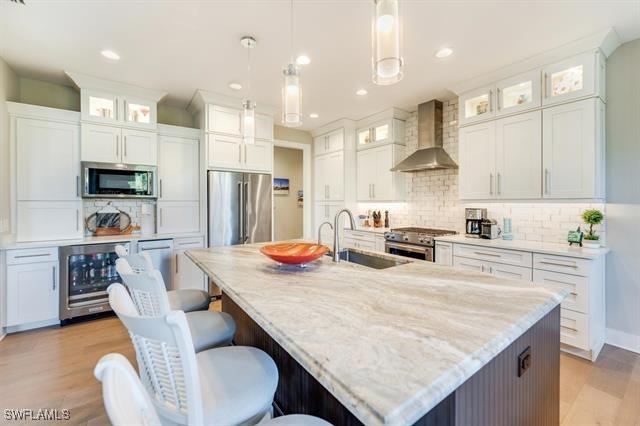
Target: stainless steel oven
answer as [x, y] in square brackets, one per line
[85, 273]
[106, 180]
[409, 250]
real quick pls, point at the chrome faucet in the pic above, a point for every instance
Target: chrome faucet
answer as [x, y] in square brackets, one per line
[336, 228]
[320, 231]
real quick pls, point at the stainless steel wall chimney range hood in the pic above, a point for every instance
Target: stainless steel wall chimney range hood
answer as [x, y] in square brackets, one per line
[430, 155]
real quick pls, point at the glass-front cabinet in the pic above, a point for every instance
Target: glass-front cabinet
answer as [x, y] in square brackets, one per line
[570, 79]
[518, 93]
[477, 105]
[108, 108]
[380, 133]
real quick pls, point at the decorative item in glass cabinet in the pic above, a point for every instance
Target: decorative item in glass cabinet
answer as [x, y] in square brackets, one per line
[386, 34]
[567, 81]
[248, 106]
[291, 91]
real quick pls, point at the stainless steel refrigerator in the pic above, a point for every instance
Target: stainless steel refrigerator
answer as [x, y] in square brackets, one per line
[239, 208]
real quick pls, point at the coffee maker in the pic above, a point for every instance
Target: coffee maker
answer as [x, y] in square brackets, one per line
[474, 218]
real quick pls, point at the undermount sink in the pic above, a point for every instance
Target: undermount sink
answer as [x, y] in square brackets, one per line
[368, 260]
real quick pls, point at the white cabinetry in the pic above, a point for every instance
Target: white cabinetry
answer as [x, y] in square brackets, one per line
[518, 93]
[224, 120]
[105, 107]
[390, 130]
[107, 144]
[577, 77]
[364, 240]
[259, 156]
[331, 142]
[375, 180]
[573, 150]
[329, 177]
[185, 273]
[444, 253]
[178, 197]
[32, 288]
[477, 161]
[582, 314]
[477, 105]
[326, 212]
[49, 220]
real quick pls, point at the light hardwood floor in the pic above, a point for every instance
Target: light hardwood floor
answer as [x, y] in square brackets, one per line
[53, 368]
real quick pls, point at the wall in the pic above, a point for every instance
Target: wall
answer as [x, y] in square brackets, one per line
[43, 93]
[294, 135]
[136, 209]
[176, 116]
[623, 196]
[432, 197]
[288, 220]
[9, 91]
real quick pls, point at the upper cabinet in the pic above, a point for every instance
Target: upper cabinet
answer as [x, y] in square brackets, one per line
[224, 120]
[576, 77]
[477, 105]
[109, 144]
[376, 181]
[519, 93]
[331, 142]
[381, 132]
[114, 109]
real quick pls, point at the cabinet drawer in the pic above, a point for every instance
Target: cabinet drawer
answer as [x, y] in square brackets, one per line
[510, 271]
[574, 329]
[46, 254]
[364, 236]
[578, 299]
[509, 257]
[359, 244]
[568, 265]
[188, 243]
[470, 264]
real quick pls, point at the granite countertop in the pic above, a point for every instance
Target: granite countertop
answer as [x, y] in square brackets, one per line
[532, 246]
[388, 344]
[95, 240]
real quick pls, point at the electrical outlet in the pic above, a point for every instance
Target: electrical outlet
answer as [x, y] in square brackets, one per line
[524, 361]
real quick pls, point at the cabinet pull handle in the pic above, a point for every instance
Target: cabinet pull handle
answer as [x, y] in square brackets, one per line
[490, 103]
[559, 264]
[499, 184]
[125, 145]
[239, 154]
[569, 328]
[498, 98]
[544, 81]
[491, 269]
[25, 256]
[490, 183]
[54, 278]
[480, 253]
[373, 189]
[160, 216]
[117, 145]
[160, 185]
[546, 181]
[77, 186]
[176, 263]
[77, 219]
[481, 268]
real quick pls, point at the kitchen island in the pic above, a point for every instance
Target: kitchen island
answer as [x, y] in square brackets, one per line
[415, 343]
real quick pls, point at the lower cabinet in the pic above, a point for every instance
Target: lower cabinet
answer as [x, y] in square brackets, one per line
[32, 288]
[582, 314]
[326, 212]
[363, 240]
[49, 220]
[444, 254]
[186, 275]
[178, 216]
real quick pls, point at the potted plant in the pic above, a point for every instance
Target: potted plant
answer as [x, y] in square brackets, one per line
[592, 217]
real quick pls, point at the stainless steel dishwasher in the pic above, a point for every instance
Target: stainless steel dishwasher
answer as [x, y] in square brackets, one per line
[161, 252]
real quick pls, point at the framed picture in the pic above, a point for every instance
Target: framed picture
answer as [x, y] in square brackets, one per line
[280, 186]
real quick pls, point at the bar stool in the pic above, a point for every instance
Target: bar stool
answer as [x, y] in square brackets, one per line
[186, 300]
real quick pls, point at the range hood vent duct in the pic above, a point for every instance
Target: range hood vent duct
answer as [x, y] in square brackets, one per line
[430, 155]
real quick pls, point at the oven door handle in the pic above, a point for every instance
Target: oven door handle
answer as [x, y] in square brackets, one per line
[407, 247]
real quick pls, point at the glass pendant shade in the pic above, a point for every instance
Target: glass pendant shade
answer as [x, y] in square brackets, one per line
[248, 122]
[291, 97]
[386, 38]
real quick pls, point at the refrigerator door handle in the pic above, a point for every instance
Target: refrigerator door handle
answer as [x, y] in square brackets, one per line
[246, 193]
[240, 214]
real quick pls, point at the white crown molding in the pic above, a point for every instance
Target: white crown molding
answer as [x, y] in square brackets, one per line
[202, 97]
[606, 41]
[178, 131]
[84, 81]
[16, 109]
[392, 112]
[343, 123]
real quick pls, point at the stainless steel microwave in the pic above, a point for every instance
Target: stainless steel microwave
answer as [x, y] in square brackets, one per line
[106, 180]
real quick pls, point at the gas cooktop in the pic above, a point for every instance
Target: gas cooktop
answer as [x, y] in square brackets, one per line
[417, 236]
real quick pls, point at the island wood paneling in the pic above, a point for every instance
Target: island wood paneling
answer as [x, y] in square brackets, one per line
[495, 395]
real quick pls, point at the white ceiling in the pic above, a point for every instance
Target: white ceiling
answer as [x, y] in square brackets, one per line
[180, 46]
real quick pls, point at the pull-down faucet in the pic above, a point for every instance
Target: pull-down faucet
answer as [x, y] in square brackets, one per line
[336, 249]
[320, 231]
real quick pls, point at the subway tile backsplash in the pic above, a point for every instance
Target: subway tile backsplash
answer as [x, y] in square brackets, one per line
[132, 207]
[432, 197]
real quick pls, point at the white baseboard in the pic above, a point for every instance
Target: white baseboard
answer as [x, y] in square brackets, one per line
[628, 341]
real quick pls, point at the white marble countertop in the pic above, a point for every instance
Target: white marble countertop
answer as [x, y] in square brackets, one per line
[532, 246]
[9, 245]
[388, 344]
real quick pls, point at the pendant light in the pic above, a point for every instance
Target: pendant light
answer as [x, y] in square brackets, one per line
[291, 91]
[387, 42]
[248, 106]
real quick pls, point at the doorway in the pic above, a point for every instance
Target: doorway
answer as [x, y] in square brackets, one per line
[290, 187]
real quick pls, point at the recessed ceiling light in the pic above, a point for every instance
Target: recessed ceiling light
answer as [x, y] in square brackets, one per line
[110, 54]
[361, 92]
[313, 115]
[235, 85]
[303, 60]
[444, 52]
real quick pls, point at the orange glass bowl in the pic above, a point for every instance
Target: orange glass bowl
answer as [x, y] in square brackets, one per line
[294, 253]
